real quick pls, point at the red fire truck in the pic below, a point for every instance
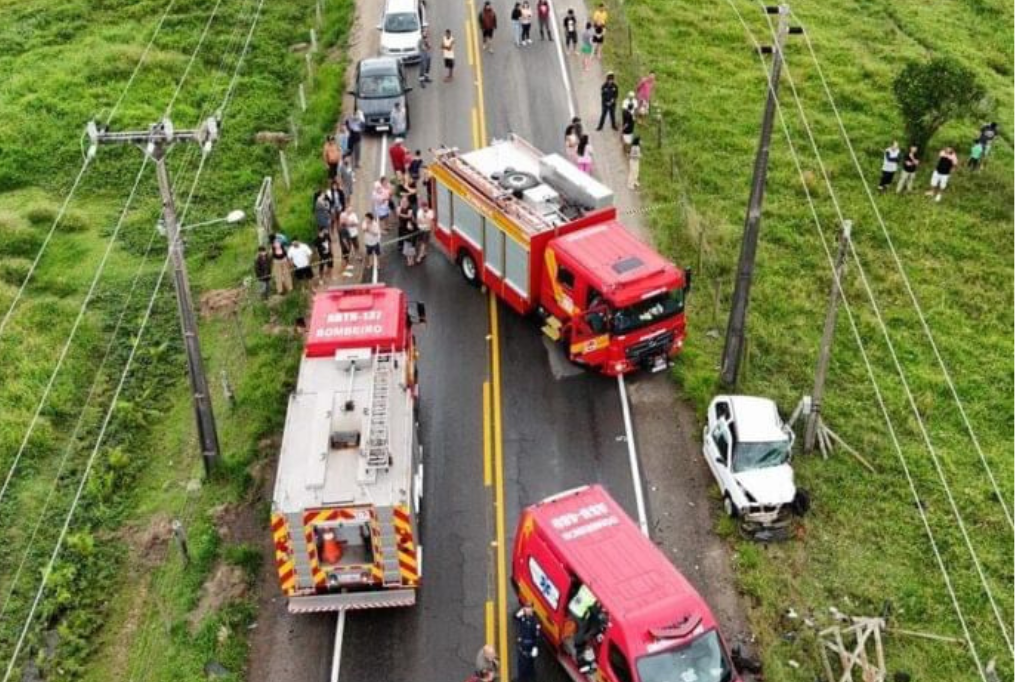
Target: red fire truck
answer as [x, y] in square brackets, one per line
[350, 476]
[544, 237]
[610, 604]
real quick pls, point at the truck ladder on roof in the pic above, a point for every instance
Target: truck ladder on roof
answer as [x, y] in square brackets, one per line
[378, 453]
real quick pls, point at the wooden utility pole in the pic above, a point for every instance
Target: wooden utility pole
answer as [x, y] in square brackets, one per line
[154, 142]
[735, 332]
[825, 350]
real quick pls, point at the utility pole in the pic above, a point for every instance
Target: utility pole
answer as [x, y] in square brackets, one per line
[155, 143]
[735, 332]
[825, 351]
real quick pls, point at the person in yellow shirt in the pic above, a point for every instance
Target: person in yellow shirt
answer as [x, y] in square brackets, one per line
[600, 15]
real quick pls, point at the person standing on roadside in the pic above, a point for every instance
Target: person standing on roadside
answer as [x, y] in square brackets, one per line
[325, 254]
[415, 167]
[280, 268]
[487, 661]
[974, 160]
[644, 94]
[585, 155]
[573, 133]
[517, 27]
[355, 124]
[587, 45]
[399, 155]
[424, 225]
[527, 639]
[322, 209]
[987, 135]
[262, 269]
[598, 41]
[488, 20]
[336, 200]
[600, 16]
[525, 23]
[571, 36]
[628, 126]
[348, 234]
[448, 53]
[890, 164]
[382, 199]
[544, 19]
[633, 181]
[399, 119]
[346, 176]
[423, 47]
[407, 231]
[301, 257]
[943, 169]
[909, 170]
[331, 155]
[609, 98]
[371, 240]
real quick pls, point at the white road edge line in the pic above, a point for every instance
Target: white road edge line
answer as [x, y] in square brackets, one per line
[339, 634]
[634, 465]
[553, 18]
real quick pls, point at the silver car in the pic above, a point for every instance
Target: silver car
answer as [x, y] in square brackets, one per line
[400, 28]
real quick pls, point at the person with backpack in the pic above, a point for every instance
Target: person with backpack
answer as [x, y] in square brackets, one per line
[517, 29]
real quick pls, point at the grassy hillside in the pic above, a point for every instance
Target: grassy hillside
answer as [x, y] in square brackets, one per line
[119, 602]
[864, 543]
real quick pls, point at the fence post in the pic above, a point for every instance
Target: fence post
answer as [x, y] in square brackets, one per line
[302, 96]
[312, 40]
[700, 249]
[309, 65]
[319, 14]
[293, 129]
[718, 298]
[284, 169]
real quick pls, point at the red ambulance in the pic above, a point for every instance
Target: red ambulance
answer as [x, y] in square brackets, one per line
[611, 605]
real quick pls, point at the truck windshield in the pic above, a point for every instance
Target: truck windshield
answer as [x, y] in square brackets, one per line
[760, 455]
[702, 660]
[647, 312]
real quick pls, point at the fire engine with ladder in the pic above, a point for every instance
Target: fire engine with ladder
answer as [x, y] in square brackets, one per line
[544, 237]
[350, 476]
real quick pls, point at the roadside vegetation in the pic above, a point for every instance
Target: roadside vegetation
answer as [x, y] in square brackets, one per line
[863, 544]
[121, 602]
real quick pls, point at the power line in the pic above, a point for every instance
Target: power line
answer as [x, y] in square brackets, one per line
[906, 282]
[99, 441]
[81, 172]
[192, 59]
[71, 336]
[902, 375]
[871, 375]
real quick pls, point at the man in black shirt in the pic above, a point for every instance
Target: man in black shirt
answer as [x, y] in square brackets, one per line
[571, 36]
[609, 98]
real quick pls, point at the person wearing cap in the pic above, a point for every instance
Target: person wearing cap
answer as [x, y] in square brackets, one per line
[488, 20]
[609, 98]
[399, 154]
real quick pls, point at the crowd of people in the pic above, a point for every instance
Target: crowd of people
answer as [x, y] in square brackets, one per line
[893, 160]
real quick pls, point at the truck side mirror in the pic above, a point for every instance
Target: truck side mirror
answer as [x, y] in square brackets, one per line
[417, 313]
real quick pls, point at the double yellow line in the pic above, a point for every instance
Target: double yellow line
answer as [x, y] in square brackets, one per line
[495, 620]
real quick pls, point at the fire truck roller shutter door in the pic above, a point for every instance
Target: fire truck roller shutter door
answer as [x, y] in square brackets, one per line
[517, 267]
[467, 222]
[443, 206]
[494, 248]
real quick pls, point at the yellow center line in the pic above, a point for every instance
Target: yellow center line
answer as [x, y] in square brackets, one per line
[470, 50]
[499, 489]
[488, 437]
[477, 64]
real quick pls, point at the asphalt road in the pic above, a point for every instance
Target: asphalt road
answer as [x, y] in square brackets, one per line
[562, 427]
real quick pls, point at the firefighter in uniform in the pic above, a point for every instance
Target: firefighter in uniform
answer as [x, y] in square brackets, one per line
[527, 638]
[590, 621]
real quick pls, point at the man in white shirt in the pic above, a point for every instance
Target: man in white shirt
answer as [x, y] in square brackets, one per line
[301, 256]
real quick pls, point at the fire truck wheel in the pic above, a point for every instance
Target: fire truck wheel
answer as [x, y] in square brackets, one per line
[468, 268]
[730, 507]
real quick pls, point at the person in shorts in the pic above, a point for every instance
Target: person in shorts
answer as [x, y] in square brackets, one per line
[448, 53]
[301, 256]
[371, 240]
[943, 169]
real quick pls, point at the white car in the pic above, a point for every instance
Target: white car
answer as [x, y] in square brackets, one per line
[748, 448]
[401, 24]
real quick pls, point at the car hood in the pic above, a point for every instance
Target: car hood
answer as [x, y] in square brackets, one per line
[377, 106]
[771, 486]
[400, 41]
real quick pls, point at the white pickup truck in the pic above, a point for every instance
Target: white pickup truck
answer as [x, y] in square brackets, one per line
[748, 448]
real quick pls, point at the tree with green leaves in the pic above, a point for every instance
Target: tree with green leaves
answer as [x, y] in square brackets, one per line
[932, 93]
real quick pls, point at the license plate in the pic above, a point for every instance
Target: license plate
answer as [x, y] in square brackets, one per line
[381, 129]
[660, 363]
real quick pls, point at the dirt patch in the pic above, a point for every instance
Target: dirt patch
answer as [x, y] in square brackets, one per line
[220, 301]
[227, 584]
[146, 541]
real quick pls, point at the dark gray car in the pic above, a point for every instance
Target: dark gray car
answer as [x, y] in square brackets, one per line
[380, 84]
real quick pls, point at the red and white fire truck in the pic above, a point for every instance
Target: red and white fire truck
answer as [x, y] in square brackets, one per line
[350, 476]
[609, 603]
[544, 237]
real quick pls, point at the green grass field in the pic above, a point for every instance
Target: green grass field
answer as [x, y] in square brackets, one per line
[865, 542]
[119, 600]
